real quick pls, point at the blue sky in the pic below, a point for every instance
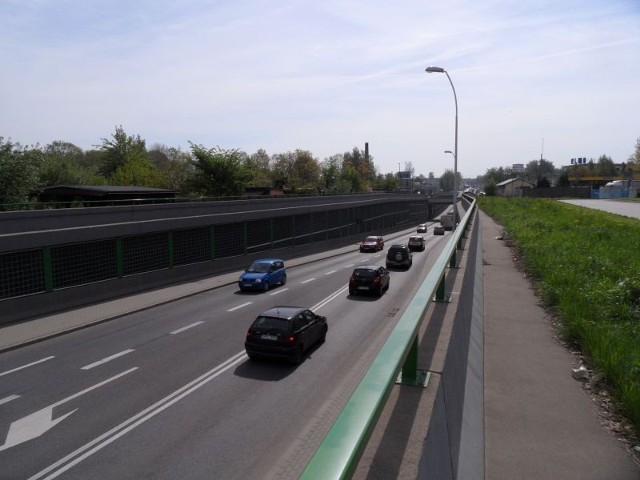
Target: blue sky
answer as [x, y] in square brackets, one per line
[556, 78]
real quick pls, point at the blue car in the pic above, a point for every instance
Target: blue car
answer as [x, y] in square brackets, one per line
[262, 274]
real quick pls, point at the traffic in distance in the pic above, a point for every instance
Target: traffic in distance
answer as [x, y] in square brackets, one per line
[288, 332]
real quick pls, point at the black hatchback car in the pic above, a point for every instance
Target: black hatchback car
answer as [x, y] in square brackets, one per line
[285, 332]
[369, 279]
[399, 256]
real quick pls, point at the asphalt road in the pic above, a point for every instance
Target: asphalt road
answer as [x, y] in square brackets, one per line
[169, 393]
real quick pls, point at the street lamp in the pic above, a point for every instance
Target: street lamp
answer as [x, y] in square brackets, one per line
[455, 150]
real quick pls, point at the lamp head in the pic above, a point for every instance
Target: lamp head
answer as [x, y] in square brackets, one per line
[434, 70]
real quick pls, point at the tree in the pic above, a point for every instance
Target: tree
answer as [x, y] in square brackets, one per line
[605, 167]
[123, 149]
[64, 165]
[537, 169]
[446, 181]
[218, 172]
[634, 160]
[259, 168]
[296, 170]
[361, 164]
[173, 166]
[19, 172]
[330, 171]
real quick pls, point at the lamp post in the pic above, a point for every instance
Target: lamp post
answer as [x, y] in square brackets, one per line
[455, 149]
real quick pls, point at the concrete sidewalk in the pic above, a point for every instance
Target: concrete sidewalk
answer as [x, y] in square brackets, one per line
[539, 421]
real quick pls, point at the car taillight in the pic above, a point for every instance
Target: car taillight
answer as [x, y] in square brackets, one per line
[291, 338]
[352, 279]
[376, 280]
[249, 333]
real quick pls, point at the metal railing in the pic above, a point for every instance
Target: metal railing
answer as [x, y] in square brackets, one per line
[338, 455]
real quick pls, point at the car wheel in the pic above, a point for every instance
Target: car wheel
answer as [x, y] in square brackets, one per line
[266, 286]
[284, 280]
[352, 291]
[297, 355]
[252, 357]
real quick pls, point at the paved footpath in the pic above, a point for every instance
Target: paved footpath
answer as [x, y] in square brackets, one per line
[539, 422]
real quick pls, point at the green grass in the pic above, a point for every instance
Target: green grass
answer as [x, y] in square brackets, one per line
[586, 268]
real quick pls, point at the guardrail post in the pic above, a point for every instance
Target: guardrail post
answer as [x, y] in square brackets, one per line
[410, 374]
[452, 261]
[48, 269]
[440, 291]
[119, 258]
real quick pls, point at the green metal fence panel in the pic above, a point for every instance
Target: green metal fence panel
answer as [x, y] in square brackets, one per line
[21, 273]
[230, 240]
[303, 229]
[81, 263]
[259, 235]
[145, 253]
[191, 245]
[282, 232]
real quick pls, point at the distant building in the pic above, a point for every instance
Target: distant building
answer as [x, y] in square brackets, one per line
[517, 168]
[513, 187]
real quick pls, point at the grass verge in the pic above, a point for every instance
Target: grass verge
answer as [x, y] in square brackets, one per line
[586, 268]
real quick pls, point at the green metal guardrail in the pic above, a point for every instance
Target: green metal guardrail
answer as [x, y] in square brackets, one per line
[338, 455]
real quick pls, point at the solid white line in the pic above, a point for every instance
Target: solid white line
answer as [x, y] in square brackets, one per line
[239, 307]
[180, 330]
[278, 291]
[26, 366]
[308, 280]
[112, 435]
[105, 360]
[331, 297]
[8, 399]
[329, 273]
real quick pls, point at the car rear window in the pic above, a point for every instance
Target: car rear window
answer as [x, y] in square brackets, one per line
[364, 272]
[371, 239]
[272, 324]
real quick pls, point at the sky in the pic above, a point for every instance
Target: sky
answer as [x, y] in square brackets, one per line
[554, 79]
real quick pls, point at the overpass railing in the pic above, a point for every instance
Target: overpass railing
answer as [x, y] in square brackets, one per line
[338, 455]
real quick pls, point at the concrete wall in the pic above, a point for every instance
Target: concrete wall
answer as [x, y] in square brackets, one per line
[454, 444]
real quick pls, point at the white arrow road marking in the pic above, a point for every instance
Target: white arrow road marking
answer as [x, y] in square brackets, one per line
[32, 426]
[37, 423]
[25, 366]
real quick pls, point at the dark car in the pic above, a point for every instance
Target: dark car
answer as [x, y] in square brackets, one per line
[438, 230]
[399, 256]
[262, 274]
[285, 332]
[369, 279]
[416, 242]
[372, 244]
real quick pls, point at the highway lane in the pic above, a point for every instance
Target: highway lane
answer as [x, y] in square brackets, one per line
[169, 392]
